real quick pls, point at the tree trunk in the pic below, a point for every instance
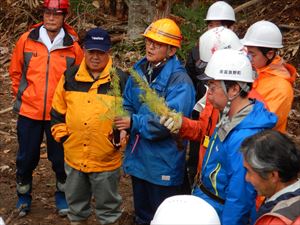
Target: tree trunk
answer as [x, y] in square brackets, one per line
[163, 9]
[140, 14]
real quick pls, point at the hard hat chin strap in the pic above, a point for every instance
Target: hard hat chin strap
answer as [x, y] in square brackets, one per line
[244, 87]
[225, 113]
[265, 51]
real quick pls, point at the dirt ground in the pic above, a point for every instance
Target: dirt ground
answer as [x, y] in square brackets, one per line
[43, 208]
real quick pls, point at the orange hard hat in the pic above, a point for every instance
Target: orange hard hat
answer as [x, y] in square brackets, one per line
[58, 5]
[164, 31]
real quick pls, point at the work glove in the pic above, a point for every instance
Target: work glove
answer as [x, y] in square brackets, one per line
[171, 124]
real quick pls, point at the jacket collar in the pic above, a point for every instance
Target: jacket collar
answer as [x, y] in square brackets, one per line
[68, 40]
[172, 65]
[83, 75]
[228, 125]
[278, 68]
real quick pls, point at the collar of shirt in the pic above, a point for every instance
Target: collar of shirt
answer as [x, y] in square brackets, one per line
[290, 188]
[46, 40]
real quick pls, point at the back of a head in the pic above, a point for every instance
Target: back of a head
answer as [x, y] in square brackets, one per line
[216, 39]
[185, 209]
[220, 10]
[263, 34]
[230, 65]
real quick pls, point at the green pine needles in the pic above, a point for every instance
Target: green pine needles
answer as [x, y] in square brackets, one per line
[116, 92]
[155, 103]
[115, 108]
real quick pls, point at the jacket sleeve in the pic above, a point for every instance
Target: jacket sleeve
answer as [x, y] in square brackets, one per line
[190, 65]
[240, 199]
[271, 220]
[16, 65]
[180, 97]
[280, 102]
[196, 129]
[58, 113]
[78, 53]
[191, 129]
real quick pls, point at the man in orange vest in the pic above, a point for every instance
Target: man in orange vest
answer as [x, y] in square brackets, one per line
[39, 59]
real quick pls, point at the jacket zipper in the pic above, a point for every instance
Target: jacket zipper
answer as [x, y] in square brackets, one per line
[46, 87]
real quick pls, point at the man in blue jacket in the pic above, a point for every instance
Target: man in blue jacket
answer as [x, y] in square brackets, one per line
[152, 157]
[222, 182]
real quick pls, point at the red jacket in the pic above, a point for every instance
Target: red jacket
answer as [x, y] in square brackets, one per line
[201, 129]
[35, 71]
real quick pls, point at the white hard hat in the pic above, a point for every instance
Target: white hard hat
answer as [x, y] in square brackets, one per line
[263, 34]
[216, 39]
[229, 64]
[220, 10]
[185, 209]
[1, 221]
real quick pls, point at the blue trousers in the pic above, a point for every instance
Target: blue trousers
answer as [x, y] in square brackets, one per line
[30, 136]
[147, 197]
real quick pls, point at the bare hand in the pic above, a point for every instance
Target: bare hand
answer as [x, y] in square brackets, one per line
[122, 123]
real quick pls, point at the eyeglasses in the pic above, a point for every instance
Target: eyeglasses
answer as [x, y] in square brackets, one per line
[212, 87]
[156, 45]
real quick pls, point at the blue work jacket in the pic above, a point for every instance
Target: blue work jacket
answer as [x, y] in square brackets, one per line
[152, 153]
[223, 173]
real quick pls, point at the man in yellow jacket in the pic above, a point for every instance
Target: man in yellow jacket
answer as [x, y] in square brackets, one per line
[79, 120]
[275, 77]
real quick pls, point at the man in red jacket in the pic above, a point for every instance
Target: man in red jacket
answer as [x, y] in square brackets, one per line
[39, 59]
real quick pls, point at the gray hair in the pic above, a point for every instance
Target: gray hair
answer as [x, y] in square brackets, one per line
[269, 151]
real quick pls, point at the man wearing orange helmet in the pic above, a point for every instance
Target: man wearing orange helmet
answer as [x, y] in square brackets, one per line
[39, 59]
[152, 157]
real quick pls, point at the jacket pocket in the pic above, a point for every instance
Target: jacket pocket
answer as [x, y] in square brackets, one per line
[213, 178]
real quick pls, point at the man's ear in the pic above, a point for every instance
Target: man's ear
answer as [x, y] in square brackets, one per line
[271, 54]
[235, 89]
[274, 176]
[172, 50]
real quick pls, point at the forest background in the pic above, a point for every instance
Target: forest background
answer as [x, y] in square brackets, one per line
[125, 20]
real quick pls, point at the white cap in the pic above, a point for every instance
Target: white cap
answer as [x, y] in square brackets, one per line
[263, 34]
[216, 39]
[220, 10]
[185, 209]
[229, 64]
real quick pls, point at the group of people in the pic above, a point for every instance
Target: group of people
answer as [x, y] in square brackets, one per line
[233, 97]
